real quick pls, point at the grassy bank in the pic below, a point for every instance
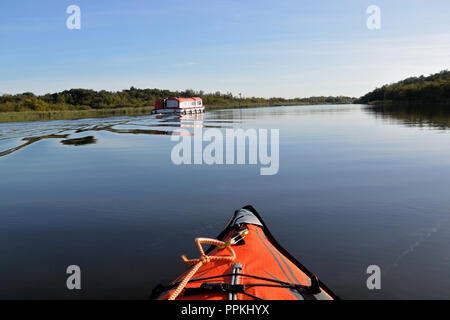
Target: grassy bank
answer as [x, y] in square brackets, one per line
[25, 116]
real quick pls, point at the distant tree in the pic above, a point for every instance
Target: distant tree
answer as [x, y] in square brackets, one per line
[433, 88]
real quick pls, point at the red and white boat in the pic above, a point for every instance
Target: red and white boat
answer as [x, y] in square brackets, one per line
[179, 105]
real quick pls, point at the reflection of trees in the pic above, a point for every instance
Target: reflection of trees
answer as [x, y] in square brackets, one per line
[161, 127]
[79, 141]
[185, 121]
[32, 140]
[417, 115]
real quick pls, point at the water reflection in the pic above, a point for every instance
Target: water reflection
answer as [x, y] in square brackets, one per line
[129, 130]
[352, 191]
[434, 116]
[420, 115]
[133, 125]
[79, 141]
[31, 140]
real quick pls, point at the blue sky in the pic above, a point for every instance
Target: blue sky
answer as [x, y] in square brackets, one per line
[293, 48]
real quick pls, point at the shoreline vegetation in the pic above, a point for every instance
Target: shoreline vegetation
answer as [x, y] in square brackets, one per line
[86, 103]
[413, 91]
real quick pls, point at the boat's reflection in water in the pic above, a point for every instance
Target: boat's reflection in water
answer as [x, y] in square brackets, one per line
[191, 121]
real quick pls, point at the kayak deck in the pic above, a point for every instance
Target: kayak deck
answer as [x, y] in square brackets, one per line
[261, 269]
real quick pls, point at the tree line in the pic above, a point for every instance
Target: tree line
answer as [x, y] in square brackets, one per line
[434, 88]
[86, 99]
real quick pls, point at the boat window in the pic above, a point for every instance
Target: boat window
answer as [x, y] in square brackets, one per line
[172, 103]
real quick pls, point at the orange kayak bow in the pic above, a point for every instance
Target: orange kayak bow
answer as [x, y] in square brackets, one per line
[245, 262]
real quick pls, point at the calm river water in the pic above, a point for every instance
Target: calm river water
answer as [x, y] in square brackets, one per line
[355, 187]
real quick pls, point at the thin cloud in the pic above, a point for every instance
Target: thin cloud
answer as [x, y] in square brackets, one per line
[186, 64]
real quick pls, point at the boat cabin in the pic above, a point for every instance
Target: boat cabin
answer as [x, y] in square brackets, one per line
[179, 105]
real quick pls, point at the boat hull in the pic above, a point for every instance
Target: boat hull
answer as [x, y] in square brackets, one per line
[178, 110]
[260, 262]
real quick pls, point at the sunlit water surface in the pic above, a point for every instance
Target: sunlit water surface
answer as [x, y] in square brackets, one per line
[355, 188]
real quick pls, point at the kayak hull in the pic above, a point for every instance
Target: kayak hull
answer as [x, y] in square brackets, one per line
[261, 267]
